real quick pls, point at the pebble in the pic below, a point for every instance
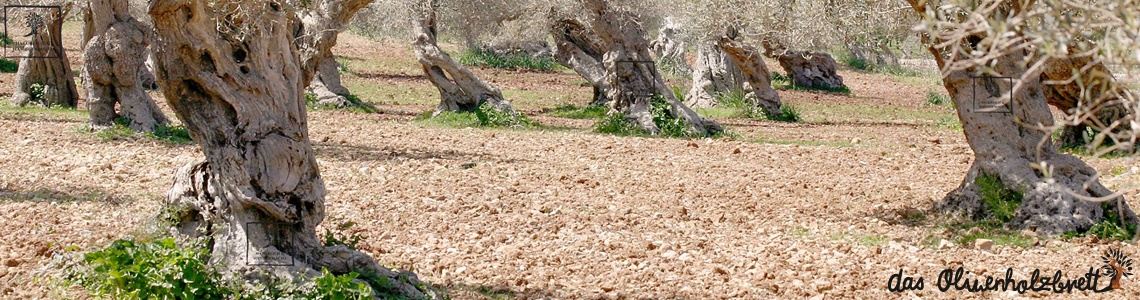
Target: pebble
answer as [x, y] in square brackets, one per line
[983, 244]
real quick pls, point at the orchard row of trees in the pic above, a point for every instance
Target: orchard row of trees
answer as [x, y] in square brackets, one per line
[236, 73]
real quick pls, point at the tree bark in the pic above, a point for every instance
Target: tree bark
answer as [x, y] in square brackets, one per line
[459, 88]
[327, 86]
[113, 68]
[714, 73]
[579, 49]
[45, 65]
[755, 71]
[258, 196]
[1022, 158]
[632, 73]
[669, 49]
[1092, 89]
[806, 69]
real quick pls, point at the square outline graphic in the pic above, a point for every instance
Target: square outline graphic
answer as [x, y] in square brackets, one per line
[653, 68]
[249, 244]
[58, 52]
[994, 110]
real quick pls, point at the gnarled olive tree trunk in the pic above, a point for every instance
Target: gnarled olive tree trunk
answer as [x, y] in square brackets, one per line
[113, 67]
[1064, 79]
[459, 88]
[714, 73]
[755, 73]
[632, 73]
[1023, 158]
[326, 84]
[669, 49]
[805, 68]
[577, 48]
[258, 196]
[44, 74]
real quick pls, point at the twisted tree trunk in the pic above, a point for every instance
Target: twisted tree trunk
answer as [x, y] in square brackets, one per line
[258, 196]
[327, 86]
[1023, 158]
[579, 49]
[632, 73]
[459, 88]
[113, 68]
[44, 74]
[670, 50]
[714, 73]
[806, 69]
[1077, 86]
[756, 73]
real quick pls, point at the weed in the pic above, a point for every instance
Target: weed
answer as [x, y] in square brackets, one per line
[937, 99]
[518, 61]
[580, 112]
[37, 92]
[788, 113]
[616, 124]
[155, 270]
[334, 238]
[1001, 201]
[1111, 227]
[174, 134]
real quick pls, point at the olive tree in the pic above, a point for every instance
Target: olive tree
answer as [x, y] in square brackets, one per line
[235, 74]
[992, 55]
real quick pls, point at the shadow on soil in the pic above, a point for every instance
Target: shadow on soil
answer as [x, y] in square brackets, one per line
[365, 153]
[483, 292]
[14, 193]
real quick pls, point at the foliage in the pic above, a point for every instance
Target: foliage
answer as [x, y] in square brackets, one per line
[155, 270]
[37, 92]
[511, 61]
[580, 112]
[8, 66]
[788, 113]
[334, 238]
[162, 269]
[783, 82]
[1001, 201]
[662, 112]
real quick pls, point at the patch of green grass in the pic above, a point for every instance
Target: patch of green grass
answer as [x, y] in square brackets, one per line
[938, 99]
[788, 113]
[668, 124]
[521, 61]
[1001, 202]
[485, 116]
[992, 230]
[798, 232]
[1111, 227]
[38, 112]
[174, 134]
[580, 112]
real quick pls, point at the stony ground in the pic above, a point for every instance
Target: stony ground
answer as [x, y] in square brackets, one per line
[827, 208]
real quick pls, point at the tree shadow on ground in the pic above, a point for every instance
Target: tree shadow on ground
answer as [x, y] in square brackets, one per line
[499, 292]
[16, 193]
[348, 152]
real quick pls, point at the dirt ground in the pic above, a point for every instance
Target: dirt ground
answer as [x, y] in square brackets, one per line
[826, 208]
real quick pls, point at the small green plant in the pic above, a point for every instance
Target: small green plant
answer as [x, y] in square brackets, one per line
[489, 116]
[330, 286]
[1001, 201]
[156, 270]
[580, 112]
[937, 99]
[37, 92]
[788, 113]
[856, 63]
[8, 66]
[616, 124]
[311, 99]
[516, 61]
